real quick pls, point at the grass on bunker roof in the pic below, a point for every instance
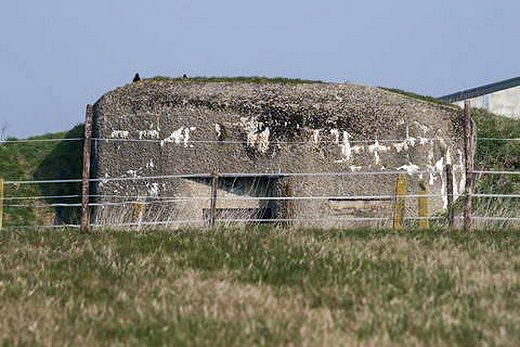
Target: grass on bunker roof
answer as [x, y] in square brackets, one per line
[260, 287]
[236, 79]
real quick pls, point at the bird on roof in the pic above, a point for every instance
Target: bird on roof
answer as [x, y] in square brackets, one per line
[136, 78]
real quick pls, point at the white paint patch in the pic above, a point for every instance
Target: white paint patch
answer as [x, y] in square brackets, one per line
[263, 140]
[148, 134]
[103, 180]
[119, 134]
[346, 151]
[256, 138]
[424, 141]
[460, 167]
[335, 133]
[316, 135]
[408, 142]
[346, 148]
[376, 148]
[423, 127]
[153, 189]
[410, 168]
[355, 168]
[132, 173]
[181, 135]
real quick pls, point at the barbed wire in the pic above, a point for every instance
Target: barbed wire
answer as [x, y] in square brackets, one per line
[167, 200]
[42, 197]
[495, 172]
[227, 175]
[41, 140]
[497, 139]
[496, 218]
[173, 199]
[337, 142]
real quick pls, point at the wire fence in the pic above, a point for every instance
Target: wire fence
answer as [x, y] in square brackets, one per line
[131, 209]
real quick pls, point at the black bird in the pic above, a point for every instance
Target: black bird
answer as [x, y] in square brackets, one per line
[136, 78]
[184, 76]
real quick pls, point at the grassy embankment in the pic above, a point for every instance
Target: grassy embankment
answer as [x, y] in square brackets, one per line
[21, 161]
[260, 287]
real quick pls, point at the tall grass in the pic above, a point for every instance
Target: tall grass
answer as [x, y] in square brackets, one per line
[260, 287]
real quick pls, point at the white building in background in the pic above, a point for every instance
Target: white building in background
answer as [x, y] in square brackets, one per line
[501, 98]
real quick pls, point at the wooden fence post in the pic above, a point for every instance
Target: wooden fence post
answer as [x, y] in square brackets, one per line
[468, 153]
[85, 215]
[213, 201]
[1, 202]
[401, 187]
[450, 212]
[423, 205]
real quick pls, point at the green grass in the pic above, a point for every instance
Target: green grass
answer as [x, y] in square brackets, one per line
[260, 287]
[418, 96]
[21, 161]
[500, 156]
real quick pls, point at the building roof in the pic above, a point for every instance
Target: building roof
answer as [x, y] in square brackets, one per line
[482, 90]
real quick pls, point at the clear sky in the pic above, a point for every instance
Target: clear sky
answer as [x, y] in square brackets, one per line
[58, 55]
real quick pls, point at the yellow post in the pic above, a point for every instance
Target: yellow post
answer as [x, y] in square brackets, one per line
[401, 187]
[423, 205]
[138, 212]
[1, 201]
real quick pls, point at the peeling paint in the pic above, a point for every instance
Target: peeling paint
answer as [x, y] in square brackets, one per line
[181, 135]
[119, 134]
[346, 151]
[410, 168]
[335, 133]
[132, 173]
[316, 135]
[376, 148]
[263, 140]
[256, 138]
[148, 134]
[153, 189]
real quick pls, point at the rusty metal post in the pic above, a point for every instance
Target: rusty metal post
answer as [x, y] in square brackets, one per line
[213, 200]
[85, 215]
[450, 211]
[423, 205]
[401, 187]
[468, 153]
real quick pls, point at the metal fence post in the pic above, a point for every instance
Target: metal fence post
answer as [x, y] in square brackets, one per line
[450, 212]
[401, 186]
[213, 200]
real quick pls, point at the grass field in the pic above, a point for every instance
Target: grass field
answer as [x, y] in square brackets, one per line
[260, 287]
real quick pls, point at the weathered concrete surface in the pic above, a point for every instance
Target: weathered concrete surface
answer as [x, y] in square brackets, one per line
[203, 127]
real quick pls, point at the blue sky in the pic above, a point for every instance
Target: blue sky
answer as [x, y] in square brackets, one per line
[58, 55]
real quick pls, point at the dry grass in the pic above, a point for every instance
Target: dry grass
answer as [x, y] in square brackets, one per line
[260, 287]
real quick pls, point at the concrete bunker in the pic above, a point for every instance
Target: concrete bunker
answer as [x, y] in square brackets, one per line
[318, 154]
